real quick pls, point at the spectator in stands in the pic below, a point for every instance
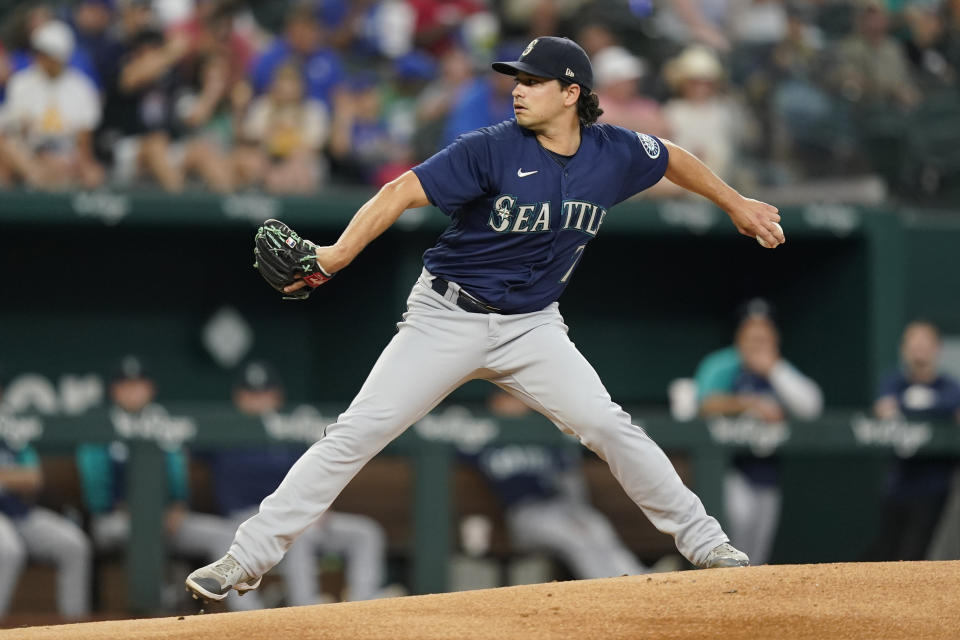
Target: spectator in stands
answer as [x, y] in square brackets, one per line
[103, 476]
[217, 61]
[927, 47]
[211, 33]
[689, 22]
[142, 125]
[91, 21]
[242, 478]
[870, 67]
[133, 16]
[6, 69]
[281, 137]
[701, 116]
[617, 74]
[801, 111]
[367, 29]
[527, 19]
[487, 100]
[917, 488]
[360, 142]
[546, 504]
[439, 97]
[31, 531]
[757, 24]
[594, 37]
[50, 113]
[751, 379]
[19, 29]
[411, 73]
[302, 42]
[439, 23]
[951, 39]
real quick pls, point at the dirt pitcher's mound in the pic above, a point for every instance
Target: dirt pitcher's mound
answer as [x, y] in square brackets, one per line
[910, 600]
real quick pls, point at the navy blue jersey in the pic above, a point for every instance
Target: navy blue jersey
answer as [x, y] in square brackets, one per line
[519, 220]
[12, 504]
[938, 400]
[763, 472]
[522, 473]
[242, 478]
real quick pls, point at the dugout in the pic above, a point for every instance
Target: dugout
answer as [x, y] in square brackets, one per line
[98, 275]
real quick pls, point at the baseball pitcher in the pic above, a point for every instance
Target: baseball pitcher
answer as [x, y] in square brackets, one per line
[525, 198]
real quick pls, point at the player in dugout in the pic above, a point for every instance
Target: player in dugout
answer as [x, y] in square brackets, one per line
[241, 478]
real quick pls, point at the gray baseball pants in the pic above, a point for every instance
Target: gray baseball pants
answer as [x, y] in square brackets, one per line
[358, 539]
[49, 537]
[199, 534]
[576, 532]
[439, 347]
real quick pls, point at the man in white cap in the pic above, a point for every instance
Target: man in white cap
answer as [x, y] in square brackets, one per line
[50, 114]
[618, 74]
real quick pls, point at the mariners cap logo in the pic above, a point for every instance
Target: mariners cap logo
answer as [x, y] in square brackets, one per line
[550, 57]
[529, 48]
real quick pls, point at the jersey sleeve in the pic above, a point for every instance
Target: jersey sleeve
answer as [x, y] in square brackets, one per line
[27, 457]
[716, 373]
[96, 478]
[177, 476]
[951, 394]
[648, 163]
[458, 174]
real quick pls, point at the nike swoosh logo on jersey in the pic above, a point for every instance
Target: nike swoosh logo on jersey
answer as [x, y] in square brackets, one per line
[523, 174]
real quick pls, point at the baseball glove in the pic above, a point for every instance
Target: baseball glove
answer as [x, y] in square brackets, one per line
[281, 255]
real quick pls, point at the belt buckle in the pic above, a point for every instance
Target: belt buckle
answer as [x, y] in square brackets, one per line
[486, 308]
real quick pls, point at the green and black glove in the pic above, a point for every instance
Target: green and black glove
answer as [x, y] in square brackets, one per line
[281, 255]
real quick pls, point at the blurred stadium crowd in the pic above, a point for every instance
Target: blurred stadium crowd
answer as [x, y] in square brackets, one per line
[290, 97]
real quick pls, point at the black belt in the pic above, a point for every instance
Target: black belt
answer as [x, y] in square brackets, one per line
[463, 300]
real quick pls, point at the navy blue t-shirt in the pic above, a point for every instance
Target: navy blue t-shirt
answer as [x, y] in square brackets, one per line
[938, 401]
[519, 220]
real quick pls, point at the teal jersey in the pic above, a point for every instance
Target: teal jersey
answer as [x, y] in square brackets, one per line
[717, 373]
[103, 476]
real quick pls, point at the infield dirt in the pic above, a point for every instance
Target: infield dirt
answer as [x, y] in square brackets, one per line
[910, 600]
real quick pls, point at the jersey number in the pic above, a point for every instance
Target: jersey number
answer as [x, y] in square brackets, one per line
[576, 258]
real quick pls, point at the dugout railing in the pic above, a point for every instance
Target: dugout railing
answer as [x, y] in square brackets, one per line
[431, 447]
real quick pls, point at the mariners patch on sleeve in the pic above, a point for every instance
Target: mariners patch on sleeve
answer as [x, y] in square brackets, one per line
[650, 145]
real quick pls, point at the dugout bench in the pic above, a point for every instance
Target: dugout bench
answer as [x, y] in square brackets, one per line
[709, 446]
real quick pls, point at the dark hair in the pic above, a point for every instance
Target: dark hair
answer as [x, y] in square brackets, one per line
[588, 108]
[300, 11]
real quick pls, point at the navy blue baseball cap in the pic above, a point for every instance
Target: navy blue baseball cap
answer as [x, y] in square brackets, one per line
[258, 376]
[756, 308]
[130, 367]
[551, 57]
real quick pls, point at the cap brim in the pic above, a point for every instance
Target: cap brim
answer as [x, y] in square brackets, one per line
[513, 68]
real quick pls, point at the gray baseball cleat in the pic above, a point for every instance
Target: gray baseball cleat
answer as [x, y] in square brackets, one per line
[214, 581]
[725, 555]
